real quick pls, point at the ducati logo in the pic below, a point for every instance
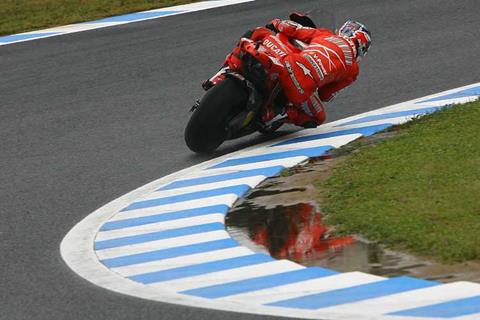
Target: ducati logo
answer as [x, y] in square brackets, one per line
[305, 70]
[267, 43]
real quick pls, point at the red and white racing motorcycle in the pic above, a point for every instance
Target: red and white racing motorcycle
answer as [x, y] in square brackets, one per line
[241, 101]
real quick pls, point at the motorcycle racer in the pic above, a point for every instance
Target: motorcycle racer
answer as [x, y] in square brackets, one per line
[326, 65]
[313, 70]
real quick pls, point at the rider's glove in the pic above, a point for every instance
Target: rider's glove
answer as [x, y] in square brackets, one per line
[275, 23]
[271, 27]
[287, 27]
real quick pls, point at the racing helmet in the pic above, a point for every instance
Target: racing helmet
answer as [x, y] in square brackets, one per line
[358, 34]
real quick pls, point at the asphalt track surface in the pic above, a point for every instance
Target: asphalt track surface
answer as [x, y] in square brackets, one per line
[88, 117]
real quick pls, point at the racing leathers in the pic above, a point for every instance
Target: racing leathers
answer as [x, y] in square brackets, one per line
[325, 66]
[312, 71]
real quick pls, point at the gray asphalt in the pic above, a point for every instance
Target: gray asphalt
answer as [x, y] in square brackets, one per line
[87, 117]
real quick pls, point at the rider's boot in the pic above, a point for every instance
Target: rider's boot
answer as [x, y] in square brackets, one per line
[301, 119]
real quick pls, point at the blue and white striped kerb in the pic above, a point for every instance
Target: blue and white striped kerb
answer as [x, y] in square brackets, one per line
[117, 20]
[167, 241]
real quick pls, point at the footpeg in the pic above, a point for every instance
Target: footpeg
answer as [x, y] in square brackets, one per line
[277, 118]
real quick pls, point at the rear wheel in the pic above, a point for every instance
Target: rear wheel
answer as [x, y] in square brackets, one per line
[206, 129]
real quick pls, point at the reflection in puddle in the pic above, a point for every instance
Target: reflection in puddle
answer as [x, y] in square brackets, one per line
[286, 232]
[297, 233]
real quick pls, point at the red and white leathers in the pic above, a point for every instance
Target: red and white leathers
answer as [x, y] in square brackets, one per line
[325, 66]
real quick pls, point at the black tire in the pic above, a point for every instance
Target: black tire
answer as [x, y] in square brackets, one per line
[206, 129]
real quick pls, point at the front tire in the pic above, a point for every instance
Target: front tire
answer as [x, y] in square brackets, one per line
[206, 129]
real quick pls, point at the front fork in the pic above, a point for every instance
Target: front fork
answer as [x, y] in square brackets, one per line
[273, 113]
[254, 103]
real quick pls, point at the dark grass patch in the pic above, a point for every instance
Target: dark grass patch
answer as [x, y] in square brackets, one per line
[26, 15]
[418, 191]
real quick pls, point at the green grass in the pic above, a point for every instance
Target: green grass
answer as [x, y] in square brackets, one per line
[418, 191]
[286, 172]
[26, 15]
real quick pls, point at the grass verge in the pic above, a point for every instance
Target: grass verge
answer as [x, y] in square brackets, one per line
[26, 15]
[418, 191]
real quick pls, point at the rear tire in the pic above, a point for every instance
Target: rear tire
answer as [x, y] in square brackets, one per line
[206, 129]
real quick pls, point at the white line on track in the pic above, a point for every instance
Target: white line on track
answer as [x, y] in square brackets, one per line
[160, 226]
[117, 20]
[412, 299]
[302, 288]
[179, 262]
[210, 279]
[162, 244]
[227, 200]
[250, 181]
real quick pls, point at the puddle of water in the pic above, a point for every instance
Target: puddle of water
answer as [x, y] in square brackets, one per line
[279, 219]
[295, 232]
[264, 193]
[298, 233]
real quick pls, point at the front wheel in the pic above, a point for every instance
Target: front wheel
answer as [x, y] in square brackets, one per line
[207, 128]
